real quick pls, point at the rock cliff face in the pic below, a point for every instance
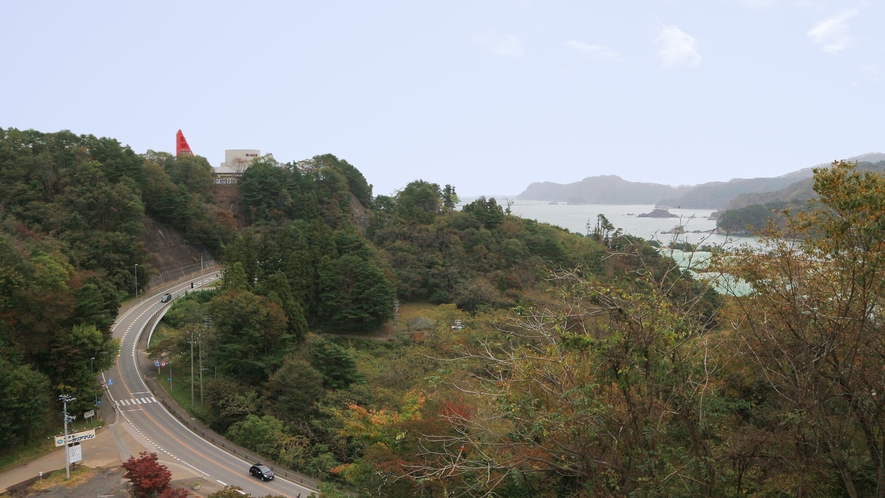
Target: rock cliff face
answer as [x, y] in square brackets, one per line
[171, 257]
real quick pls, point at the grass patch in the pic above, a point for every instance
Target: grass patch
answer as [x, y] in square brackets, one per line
[79, 475]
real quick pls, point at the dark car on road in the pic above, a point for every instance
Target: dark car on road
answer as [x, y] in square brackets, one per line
[166, 298]
[261, 472]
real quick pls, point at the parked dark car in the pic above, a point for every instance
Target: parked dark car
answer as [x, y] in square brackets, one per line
[261, 472]
[166, 298]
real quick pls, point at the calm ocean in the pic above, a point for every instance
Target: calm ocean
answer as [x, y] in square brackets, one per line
[575, 219]
[697, 222]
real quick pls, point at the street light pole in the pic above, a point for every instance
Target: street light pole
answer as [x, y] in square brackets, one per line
[65, 399]
[136, 280]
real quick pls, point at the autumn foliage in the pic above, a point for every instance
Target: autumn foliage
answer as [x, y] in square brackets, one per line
[150, 478]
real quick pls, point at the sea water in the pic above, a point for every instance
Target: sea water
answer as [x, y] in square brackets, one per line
[697, 227]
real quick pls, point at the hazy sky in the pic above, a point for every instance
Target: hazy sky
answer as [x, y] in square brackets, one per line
[486, 95]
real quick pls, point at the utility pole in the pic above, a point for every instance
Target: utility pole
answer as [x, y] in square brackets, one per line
[92, 373]
[136, 280]
[201, 368]
[206, 323]
[65, 399]
[192, 366]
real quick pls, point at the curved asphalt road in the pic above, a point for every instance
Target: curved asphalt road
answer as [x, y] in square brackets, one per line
[136, 406]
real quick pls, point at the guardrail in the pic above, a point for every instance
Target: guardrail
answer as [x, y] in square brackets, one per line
[204, 432]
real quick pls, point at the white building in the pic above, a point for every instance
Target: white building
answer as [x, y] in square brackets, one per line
[236, 161]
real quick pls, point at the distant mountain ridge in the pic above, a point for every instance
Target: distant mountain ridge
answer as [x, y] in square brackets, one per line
[802, 190]
[612, 189]
[607, 189]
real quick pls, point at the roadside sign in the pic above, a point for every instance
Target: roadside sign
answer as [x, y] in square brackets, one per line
[110, 382]
[75, 453]
[75, 437]
[90, 413]
[157, 363]
[162, 363]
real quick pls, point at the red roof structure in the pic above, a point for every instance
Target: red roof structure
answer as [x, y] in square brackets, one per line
[181, 146]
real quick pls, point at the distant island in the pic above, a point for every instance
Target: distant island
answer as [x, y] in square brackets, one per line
[657, 213]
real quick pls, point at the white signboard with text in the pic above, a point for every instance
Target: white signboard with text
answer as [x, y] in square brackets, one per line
[75, 453]
[76, 437]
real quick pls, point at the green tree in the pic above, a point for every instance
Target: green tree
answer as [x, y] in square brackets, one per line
[487, 212]
[336, 364]
[354, 293]
[356, 182]
[264, 435]
[295, 389]
[419, 202]
[230, 402]
[264, 190]
[602, 231]
[278, 291]
[71, 356]
[24, 404]
[250, 338]
[234, 277]
[450, 198]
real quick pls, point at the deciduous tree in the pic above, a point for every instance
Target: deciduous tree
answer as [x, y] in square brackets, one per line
[147, 476]
[813, 326]
[610, 393]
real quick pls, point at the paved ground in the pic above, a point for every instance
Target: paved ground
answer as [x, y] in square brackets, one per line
[113, 444]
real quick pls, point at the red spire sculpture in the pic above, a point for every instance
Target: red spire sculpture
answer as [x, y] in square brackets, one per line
[181, 146]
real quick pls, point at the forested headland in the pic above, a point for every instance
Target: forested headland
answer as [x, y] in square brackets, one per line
[536, 362]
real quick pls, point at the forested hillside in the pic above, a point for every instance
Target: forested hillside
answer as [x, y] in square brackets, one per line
[517, 359]
[71, 213]
[335, 408]
[749, 213]
[554, 364]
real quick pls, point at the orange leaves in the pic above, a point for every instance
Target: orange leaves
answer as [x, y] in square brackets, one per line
[381, 425]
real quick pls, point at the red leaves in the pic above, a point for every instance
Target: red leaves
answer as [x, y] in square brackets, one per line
[147, 475]
[452, 411]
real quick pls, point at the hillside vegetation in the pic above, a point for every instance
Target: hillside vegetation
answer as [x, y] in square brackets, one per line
[518, 359]
[71, 214]
[751, 213]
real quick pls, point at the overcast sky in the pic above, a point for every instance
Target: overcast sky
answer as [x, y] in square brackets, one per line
[486, 95]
